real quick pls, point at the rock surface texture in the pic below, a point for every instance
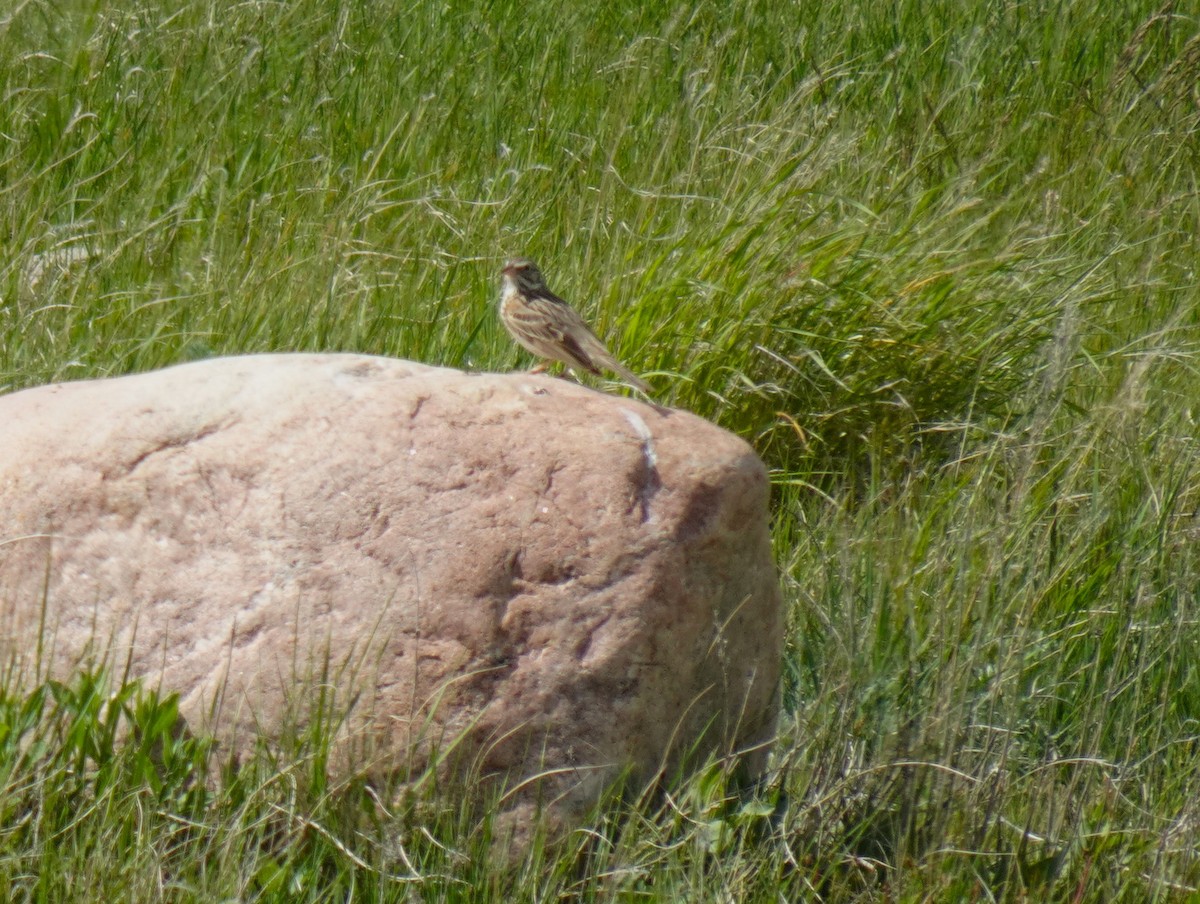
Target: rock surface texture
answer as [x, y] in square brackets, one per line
[543, 578]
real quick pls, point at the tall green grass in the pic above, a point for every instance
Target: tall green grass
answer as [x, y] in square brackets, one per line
[937, 261]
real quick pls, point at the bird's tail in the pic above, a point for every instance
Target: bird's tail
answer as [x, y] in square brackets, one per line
[630, 377]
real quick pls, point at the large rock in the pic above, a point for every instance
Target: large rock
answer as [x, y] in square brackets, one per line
[554, 580]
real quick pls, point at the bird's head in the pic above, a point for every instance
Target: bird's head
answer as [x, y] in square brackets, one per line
[524, 275]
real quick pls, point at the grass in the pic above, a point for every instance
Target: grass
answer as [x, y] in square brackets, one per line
[935, 260]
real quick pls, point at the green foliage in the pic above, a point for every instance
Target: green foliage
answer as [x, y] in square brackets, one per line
[834, 230]
[935, 260]
[81, 756]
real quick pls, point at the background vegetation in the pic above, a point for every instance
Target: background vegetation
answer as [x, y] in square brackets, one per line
[936, 260]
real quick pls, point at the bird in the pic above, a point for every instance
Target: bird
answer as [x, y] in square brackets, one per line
[547, 326]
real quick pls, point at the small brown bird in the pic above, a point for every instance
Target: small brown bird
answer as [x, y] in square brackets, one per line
[544, 324]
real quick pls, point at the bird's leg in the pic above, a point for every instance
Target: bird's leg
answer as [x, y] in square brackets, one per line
[539, 368]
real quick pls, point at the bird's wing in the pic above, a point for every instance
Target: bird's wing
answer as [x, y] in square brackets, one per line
[577, 338]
